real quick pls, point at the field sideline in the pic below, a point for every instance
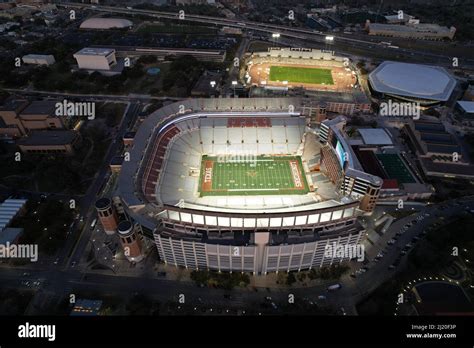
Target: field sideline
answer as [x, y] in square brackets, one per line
[301, 75]
[266, 175]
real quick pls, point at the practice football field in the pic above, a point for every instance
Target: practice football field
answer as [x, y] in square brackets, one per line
[301, 75]
[265, 175]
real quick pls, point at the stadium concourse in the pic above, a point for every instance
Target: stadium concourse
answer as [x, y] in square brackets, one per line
[244, 229]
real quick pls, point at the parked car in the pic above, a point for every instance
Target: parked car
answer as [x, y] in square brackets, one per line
[334, 287]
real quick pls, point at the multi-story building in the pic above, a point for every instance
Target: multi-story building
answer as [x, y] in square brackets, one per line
[343, 167]
[19, 117]
[102, 60]
[39, 59]
[412, 30]
[107, 215]
[131, 240]
[56, 142]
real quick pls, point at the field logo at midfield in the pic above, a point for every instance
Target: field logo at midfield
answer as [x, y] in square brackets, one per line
[345, 251]
[400, 109]
[296, 174]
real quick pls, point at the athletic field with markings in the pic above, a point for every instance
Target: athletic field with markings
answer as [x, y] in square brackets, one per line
[301, 75]
[262, 175]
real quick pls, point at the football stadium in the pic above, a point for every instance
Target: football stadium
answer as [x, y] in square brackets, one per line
[245, 185]
[300, 67]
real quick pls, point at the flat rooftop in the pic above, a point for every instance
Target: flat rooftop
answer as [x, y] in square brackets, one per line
[44, 107]
[38, 56]
[375, 136]
[418, 28]
[467, 106]
[94, 51]
[13, 104]
[49, 137]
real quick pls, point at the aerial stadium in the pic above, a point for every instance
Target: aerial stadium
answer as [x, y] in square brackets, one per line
[245, 185]
[425, 84]
[300, 67]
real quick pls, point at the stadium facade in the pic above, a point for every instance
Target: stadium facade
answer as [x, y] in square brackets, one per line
[160, 187]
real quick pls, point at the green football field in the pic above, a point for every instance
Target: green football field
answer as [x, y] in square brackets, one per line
[301, 75]
[265, 175]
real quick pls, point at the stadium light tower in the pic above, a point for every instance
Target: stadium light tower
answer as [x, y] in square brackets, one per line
[275, 37]
[234, 83]
[329, 39]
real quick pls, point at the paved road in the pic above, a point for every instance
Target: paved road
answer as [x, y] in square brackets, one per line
[378, 272]
[90, 197]
[90, 97]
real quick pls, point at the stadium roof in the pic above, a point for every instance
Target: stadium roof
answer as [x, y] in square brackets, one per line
[105, 23]
[9, 209]
[413, 80]
[467, 106]
[375, 136]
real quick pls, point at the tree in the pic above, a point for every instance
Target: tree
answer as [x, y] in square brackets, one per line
[147, 59]
[139, 305]
[290, 280]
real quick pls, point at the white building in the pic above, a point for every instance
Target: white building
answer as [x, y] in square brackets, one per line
[106, 23]
[39, 59]
[96, 58]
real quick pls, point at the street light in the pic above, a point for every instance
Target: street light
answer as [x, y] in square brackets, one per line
[234, 83]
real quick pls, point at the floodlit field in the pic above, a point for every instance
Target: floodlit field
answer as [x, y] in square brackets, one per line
[395, 168]
[301, 75]
[264, 175]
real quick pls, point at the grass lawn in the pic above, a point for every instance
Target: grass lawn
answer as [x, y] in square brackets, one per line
[265, 175]
[301, 75]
